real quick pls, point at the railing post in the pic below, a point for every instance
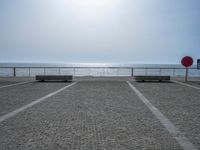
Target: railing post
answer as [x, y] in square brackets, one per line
[59, 71]
[132, 72]
[173, 72]
[160, 71]
[74, 71]
[14, 72]
[146, 71]
[29, 72]
[44, 71]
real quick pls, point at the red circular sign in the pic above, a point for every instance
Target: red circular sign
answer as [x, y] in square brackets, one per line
[187, 61]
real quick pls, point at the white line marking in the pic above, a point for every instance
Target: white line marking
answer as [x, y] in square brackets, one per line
[15, 112]
[178, 135]
[188, 85]
[14, 84]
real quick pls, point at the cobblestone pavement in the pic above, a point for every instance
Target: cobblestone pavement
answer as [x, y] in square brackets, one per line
[3, 83]
[178, 103]
[195, 81]
[91, 115]
[15, 79]
[16, 96]
[8, 81]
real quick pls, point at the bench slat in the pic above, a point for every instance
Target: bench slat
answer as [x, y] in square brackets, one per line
[54, 77]
[152, 78]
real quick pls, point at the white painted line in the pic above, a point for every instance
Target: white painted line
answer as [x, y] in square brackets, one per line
[15, 84]
[185, 84]
[178, 135]
[15, 112]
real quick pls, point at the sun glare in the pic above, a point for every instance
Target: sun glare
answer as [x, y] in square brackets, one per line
[93, 3]
[92, 9]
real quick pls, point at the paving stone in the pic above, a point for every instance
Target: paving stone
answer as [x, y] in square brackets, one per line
[91, 115]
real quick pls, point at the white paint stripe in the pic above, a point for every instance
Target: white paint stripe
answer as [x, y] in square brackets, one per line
[188, 85]
[14, 84]
[15, 112]
[180, 138]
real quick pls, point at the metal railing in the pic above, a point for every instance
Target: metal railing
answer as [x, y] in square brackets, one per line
[95, 71]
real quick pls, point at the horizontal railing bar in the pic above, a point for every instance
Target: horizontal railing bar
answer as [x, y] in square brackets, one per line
[93, 68]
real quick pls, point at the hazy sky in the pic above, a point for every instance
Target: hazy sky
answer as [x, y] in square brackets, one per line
[99, 31]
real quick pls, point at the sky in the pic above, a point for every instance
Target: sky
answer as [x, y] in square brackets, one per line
[99, 31]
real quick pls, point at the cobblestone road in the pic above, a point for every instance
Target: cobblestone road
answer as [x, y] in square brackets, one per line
[91, 115]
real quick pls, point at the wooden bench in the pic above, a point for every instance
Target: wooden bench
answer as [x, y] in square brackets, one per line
[152, 78]
[54, 77]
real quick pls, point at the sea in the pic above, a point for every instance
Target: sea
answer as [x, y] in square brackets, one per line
[94, 69]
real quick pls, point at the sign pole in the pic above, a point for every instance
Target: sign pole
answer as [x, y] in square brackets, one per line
[186, 74]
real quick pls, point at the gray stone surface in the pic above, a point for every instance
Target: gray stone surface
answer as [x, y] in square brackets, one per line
[178, 103]
[16, 79]
[195, 81]
[9, 80]
[16, 96]
[2, 83]
[91, 115]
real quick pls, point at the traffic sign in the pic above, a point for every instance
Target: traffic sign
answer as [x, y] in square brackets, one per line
[187, 61]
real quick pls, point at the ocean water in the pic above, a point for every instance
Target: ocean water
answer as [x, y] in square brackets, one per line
[95, 69]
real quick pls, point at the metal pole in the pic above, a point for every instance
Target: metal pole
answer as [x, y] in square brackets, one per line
[173, 72]
[74, 72]
[146, 71]
[132, 72]
[186, 74]
[59, 70]
[160, 71]
[29, 71]
[14, 72]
